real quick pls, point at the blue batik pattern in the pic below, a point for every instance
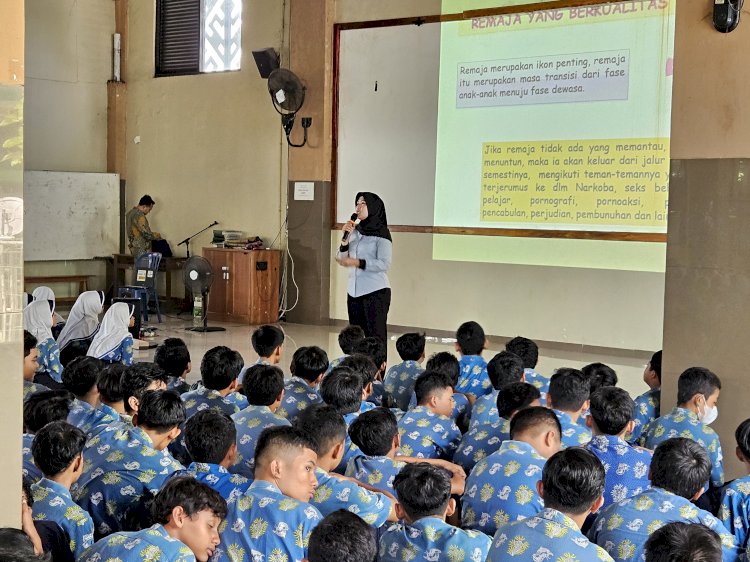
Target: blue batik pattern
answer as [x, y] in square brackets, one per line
[626, 467]
[425, 434]
[250, 423]
[431, 538]
[399, 382]
[480, 442]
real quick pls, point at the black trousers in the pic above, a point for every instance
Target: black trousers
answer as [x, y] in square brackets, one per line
[370, 312]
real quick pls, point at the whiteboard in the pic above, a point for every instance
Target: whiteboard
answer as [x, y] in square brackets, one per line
[70, 215]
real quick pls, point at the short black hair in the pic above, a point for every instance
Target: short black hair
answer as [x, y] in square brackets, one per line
[146, 200]
[80, 375]
[514, 397]
[526, 349]
[220, 367]
[160, 410]
[611, 409]
[655, 364]
[599, 375]
[209, 434]
[16, 546]
[263, 384]
[470, 338]
[46, 406]
[137, 378]
[309, 362]
[696, 380]
[173, 356]
[191, 495]
[680, 466]
[683, 542]
[572, 480]
[410, 346]
[504, 368]
[56, 446]
[349, 336]
[342, 536]
[266, 339]
[445, 362]
[430, 382]
[342, 389]
[282, 437]
[374, 348]
[26, 483]
[324, 424]
[742, 436]
[109, 382]
[362, 365]
[531, 417]
[29, 342]
[423, 489]
[373, 431]
[568, 389]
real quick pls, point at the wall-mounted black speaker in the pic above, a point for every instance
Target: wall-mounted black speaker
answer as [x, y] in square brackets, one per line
[267, 60]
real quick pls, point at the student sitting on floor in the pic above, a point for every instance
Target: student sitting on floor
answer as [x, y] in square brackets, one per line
[83, 322]
[113, 342]
[125, 466]
[400, 378]
[365, 367]
[37, 320]
[424, 493]
[343, 537]
[679, 469]
[273, 518]
[264, 387]
[735, 499]
[348, 338]
[427, 431]
[474, 380]
[376, 350]
[173, 356]
[343, 389]
[57, 450]
[502, 487]
[626, 467]
[327, 428]
[308, 366]
[447, 363]
[683, 542]
[268, 343]
[571, 487]
[79, 377]
[568, 396]
[41, 408]
[137, 379]
[186, 514]
[220, 368]
[598, 375]
[47, 536]
[503, 369]
[528, 351]
[109, 385]
[484, 439]
[30, 365]
[648, 404]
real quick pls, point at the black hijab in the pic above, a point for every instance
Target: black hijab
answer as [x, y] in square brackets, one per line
[376, 223]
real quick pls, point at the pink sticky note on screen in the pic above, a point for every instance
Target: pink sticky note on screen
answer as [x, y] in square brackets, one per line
[670, 66]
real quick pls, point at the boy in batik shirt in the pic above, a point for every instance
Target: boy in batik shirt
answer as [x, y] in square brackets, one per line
[648, 404]
[528, 351]
[474, 380]
[400, 378]
[503, 369]
[173, 356]
[568, 397]
[343, 537]
[308, 366]
[735, 500]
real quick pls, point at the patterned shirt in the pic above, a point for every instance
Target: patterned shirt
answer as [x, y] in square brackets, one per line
[431, 538]
[626, 467]
[123, 353]
[480, 442]
[550, 535]
[266, 524]
[573, 435]
[30, 388]
[647, 409]
[350, 449]
[485, 409]
[335, 363]
[502, 488]
[29, 470]
[681, 422]
[53, 502]
[88, 419]
[240, 400]
[428, 435]
[539, 381]
[229, 485]
[298, 395]
[460, 405]
[335, 493]
[178, 384]
[622, 528]
[203, 398]
[139, 232]
[148, 545]
[735, 509]
[250, 423]
[378, 472]
[399, 382]
[473, 379]
[49, 359]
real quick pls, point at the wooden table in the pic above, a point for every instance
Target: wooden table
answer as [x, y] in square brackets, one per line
[123, 262]
[82, 281]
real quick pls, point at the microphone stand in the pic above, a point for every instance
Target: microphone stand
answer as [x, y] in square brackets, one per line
[187, 240]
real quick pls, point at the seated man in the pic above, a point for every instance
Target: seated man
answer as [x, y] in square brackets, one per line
[109, 385]
[264, 386]
[528, 351]
[187, 514]
[126, 466]
[424, 494]
[173, 356]
[273, 518]
[568, 396]
[571, 487]
[220, 368]
[679, 469]
[308, 366]
[502, 487]
[503, 369]
[343, 537]
[735, 499]
[80, 377]
[648, 404]
[343, 389]
[137, 379]
[683, 542]
[400, 378]
[41, 408]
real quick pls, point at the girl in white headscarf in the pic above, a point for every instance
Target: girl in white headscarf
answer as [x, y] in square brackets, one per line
[113, 342]
[46, 294]
[37, 319]
[83, 322]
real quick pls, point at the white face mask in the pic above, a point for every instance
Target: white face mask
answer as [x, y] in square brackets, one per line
[708, 415]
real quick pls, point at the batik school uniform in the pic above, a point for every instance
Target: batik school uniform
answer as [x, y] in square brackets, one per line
[298, 395]
[431, 538]
[29, 469]
[88, 419]
[480, 442]
[428, 435]
[148, 545]
[681, 422]
[378, 472]
[485, 409]
[573, 434]
[549, 535]
[647, 409]
[399, 382]
[238, 399]
[229, 485]
[379, 397]
[250, 423]
[735, 509]
[53, 502]
[461, 405]
[335, 363]
[623, 527]
[203, 398]
[258, 361]
[626, 467]
[30, 388]
[265, 524]
[539, 381]
[113, 342]
[502, 488]
[178, 384]
[350, 449]
[37, 319]
[334, 493]
[473, 379]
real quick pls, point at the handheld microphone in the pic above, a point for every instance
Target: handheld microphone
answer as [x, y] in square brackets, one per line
[351, 220]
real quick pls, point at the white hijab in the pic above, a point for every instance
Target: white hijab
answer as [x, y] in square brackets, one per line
[46, 294]
[37, 319]
[113, 329]
[83, 319]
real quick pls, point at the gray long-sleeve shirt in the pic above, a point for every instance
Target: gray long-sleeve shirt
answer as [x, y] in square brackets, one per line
[376, 253]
